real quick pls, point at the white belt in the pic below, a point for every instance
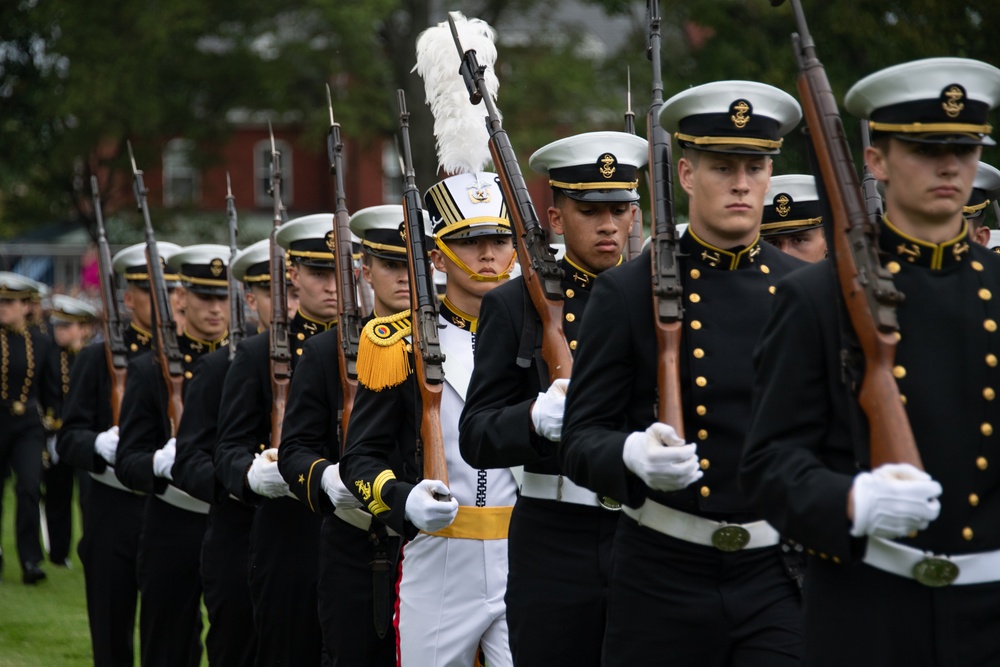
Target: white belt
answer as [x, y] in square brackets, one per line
[182, 500]
[359, 518]
[556, 487]
[108, 479]
[931, 569]
[698, 530]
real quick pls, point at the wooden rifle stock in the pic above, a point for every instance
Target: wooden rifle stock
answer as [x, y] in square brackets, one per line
[866, 287]
[349, 314]
[115, 353]
[668, 309]
[167, 351]
[427, 357]
[539, 269]
[281, 355]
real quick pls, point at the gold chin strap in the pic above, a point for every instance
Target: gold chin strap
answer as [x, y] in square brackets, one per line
[450, 254]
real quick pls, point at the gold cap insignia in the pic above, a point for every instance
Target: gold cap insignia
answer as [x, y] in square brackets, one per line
[783, 204]
[479, 193]
[216, 266]
[331, 242]
[740, 111]
[608, 165]
[951, 100]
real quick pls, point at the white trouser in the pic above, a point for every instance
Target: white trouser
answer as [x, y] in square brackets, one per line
[451, 594]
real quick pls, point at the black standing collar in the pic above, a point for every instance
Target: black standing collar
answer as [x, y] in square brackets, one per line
[705, 254]
[906, 249]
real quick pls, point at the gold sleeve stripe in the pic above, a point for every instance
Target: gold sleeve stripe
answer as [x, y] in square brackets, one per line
[377, 505]
[309, 481]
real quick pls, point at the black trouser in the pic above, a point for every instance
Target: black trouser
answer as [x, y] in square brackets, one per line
[284, 569]
[673, 602]
[225, 568]
[108, 550]
[560, 558]
[346, 610]
[22, 441]
[58, 481]
[170, 585]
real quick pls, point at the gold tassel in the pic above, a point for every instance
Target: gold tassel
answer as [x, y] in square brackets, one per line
[383, 360]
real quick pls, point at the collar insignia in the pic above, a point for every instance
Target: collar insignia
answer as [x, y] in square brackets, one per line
[581, 278]
[910, 251]
[712, 258]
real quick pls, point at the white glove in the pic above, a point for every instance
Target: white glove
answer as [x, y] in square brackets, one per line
[427, 513]
[893, 500]
[106, 444]
[334, 487]
[50, 445]
[263, 477]
[163, 459]
[661, 459]
[547, 411]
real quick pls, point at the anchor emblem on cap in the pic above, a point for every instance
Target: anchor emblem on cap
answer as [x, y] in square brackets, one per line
[951, 105]
[741, 113]
[331, 243]
[607, 162]
[782, 205]
[215, 266]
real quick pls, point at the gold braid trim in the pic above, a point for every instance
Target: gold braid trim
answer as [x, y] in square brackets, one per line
[383, 361]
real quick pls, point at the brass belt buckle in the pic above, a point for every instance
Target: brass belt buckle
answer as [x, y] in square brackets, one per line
[609, 503]
[730, 538]
[935, 572]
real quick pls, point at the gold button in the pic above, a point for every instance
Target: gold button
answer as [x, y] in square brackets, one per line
[902, 399]
[811, 552]
[823, 556]
[976, 265]
[695, 273]
[133, 347]
[764, 268]
[695, 324]
[836, 560]
[771, 289]
[899, 336]
[409, 347]
[989, 394]
[898, 372]
[704, 463]
[698, 353]
[187, 358]
[298, 351]
[701, 410]
[893, 267]
[973, 499]
[300, 336]
[570, 317]
[570, 293]
[986, 428]
[572, 345]
[967, 533]
[990, 325]
[705, 492]
[263, 447]
[991, 360]
[188, 374]
[700, 381]
[695, 298]
[985, 294]
[702, 434]
[982, 463]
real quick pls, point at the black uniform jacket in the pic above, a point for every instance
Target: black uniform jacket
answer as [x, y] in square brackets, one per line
[245, 414]
[87, 411]
[42, 388]
[496, 430]
[727, 297]
[801, 454]
[194, 471]
[145, 426]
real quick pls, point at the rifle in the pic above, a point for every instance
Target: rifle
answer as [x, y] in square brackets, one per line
[167, 351]
[869, 187]
[348, 311]
[866, 287]
[541, 273]
[237, 317]
[281, 353]
[114, 340]
[635, 231]
[428, 359]
[668, 307]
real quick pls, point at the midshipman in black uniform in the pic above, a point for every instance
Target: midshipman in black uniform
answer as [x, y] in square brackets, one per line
[985, 190]
[673, 595]
[560, 534]
[905, 563]
[112, 518]
[173, 521]
[793, 219]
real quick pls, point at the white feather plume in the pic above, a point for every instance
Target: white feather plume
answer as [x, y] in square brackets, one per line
[459, 127]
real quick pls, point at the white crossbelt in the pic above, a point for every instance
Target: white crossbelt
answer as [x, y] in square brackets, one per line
[108, 479]
[899, 559]
[182, 500]
[698, 530]
[359, 518]
[556, 487]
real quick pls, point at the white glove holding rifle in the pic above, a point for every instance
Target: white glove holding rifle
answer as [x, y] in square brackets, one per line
[894, 500]
[661, 459]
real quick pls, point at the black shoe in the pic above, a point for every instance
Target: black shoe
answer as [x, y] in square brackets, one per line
[63, 562]
[31, 573]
